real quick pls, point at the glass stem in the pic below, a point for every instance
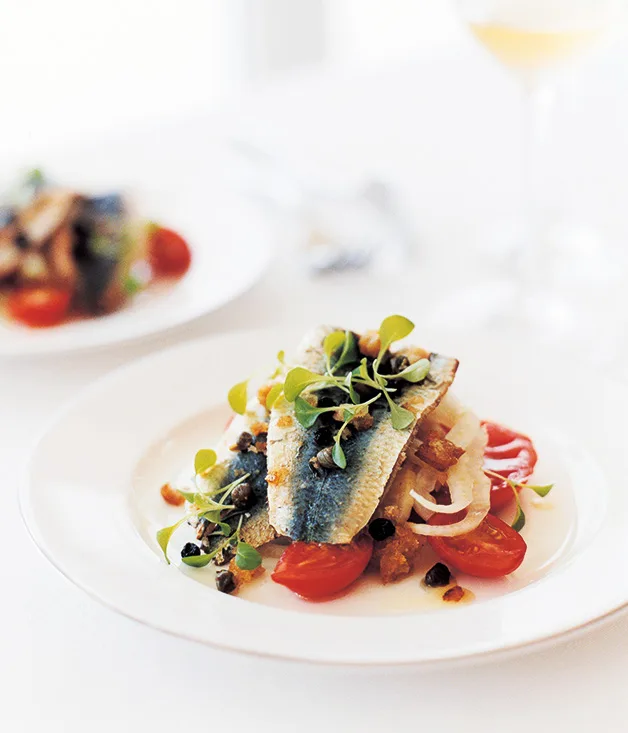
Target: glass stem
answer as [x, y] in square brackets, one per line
[538, 105]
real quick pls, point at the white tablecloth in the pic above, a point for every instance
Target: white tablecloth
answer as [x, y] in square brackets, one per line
[70, 664]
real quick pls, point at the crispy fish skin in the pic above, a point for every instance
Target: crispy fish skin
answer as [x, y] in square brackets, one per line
[334, 507]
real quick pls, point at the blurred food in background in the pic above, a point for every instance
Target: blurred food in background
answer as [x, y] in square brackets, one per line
[64, 254]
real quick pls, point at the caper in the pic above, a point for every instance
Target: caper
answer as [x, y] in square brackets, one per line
[398, 363]
[225, 581]
[325, 457]
[244, 442]
[242, 497]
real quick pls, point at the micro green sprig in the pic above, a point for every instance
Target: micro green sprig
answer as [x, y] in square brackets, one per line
[341, 352]
[519, 520]
[205, 507]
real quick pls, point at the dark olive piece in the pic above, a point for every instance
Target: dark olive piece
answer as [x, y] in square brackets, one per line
[21, 240]
[399, 363]
[381, 529]
[244, 442]
[260, 438]
[324, 437]
[438, 576]
[225, 581]
[190, 550]
[242, 497]
[325, 401]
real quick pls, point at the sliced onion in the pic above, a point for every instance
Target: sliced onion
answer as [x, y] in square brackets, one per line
[465, 430]
[448, 411]
[470, 473]
[399, 493]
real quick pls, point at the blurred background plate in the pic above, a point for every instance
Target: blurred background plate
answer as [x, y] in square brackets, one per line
[230, 244]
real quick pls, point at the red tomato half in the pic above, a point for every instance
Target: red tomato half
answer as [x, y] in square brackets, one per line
[492, 550]
[509, 454]
[316, 570]
[39, 307]
[168, 253]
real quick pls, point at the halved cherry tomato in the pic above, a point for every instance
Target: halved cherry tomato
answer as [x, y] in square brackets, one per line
[39, 307]
[511, 455]
[316, 570]
[168, 253]
[492, 550]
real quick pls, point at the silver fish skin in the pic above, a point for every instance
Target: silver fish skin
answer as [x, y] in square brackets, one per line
[334, 507]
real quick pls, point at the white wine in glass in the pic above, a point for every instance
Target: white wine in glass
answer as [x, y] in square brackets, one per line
[531, 39]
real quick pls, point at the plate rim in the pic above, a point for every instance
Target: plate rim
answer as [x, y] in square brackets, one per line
[203, 343]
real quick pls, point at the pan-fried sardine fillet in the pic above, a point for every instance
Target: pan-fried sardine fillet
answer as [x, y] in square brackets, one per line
[335, 506]
[233, 464]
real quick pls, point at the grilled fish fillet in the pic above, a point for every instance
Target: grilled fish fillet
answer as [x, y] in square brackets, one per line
[334, 507]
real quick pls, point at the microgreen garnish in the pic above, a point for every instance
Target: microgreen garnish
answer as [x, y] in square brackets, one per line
[203, 505]
[237, 397]
[414, 373]
[164, 535]
[393, 328]
[332, 343]
[399, 416]
[247, 557]
[204, 460]
[518, 523]
[273, 395]
[541, 491]
[298, 379]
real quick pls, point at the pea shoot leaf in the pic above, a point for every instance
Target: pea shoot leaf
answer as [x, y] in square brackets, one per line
[339, 455]
[164, 535]
[305, 413]
[197, 561]
[247, 557]
[273, 395]
[349, 354]
[297, 380]
[519, 521]
[237, 397]
[393, 328]
[400, 417]
[333, 341]
[540, 490]
[415, 372]
[204, 460]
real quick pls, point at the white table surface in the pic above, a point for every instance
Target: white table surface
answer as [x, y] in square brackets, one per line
[71, 664]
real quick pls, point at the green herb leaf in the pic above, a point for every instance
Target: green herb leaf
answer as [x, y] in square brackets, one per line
[273, 395]
[197, 561]
[213, 516]
[355, 397]
[540, 490]
[131, 285]
[393, 328]
[338, 454]
[519, 522]
[281, 357]
[305, 413]
[297, 380]
[247, 557]
[204, 460]
[400, 417]
[333, 342]
[164, 535]
[415, 372]
[224, 528]
[349, 354]
[237, 397]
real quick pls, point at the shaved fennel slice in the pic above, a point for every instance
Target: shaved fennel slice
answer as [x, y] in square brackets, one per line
[471, 474]
[399, 493]
[448, 412]
[460, 476]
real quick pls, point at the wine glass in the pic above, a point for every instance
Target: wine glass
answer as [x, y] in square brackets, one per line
[532, 39]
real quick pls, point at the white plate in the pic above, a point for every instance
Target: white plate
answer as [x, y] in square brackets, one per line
[92, 504]
[230, 250]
